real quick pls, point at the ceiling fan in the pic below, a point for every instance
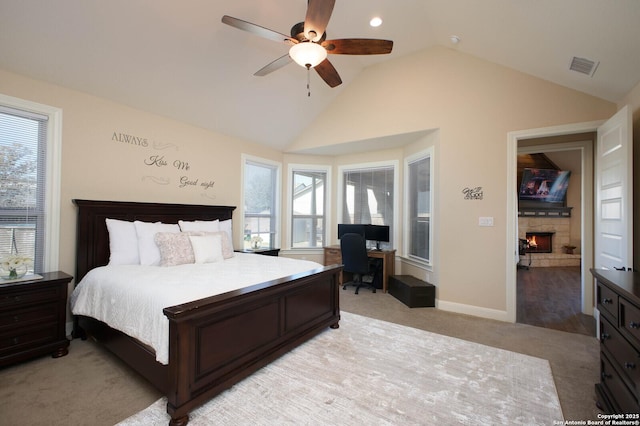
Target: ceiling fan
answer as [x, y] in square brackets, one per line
[309, 46]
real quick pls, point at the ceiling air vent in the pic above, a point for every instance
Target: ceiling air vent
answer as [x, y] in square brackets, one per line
[584, 66]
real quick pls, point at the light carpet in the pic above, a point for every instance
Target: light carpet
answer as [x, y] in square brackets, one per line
[378, 373]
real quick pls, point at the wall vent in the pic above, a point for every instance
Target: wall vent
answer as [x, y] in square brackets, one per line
[584, 66]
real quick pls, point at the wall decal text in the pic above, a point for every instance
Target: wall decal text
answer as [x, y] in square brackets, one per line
[165, 162]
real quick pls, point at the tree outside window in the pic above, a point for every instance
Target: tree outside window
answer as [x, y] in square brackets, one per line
[260, 197]
[308, 208]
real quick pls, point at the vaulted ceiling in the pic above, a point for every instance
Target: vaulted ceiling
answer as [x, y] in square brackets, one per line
[179, 60]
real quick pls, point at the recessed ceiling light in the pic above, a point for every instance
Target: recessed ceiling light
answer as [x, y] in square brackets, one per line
[375, 21]
[454, 39]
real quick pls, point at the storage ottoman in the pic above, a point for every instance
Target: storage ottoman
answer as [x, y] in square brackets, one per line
[412, 292]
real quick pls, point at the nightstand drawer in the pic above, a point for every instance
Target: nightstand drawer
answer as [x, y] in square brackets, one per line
[25, 296]
[26, 338]
[24, 317]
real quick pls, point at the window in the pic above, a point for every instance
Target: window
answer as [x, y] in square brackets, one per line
[29, 181]
[308, 200]
[368, 197]
[418, 229]
[261, 201]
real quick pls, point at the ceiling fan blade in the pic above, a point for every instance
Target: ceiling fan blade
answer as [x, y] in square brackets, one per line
[328, 73]
[318, 15]
[358, 46]
[258, 30]
[275, 65]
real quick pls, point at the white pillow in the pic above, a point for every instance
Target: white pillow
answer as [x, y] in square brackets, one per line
[225, 226]
[199, 226]
[207, 248]
[123, 242]
[147, 248]
[227, 247]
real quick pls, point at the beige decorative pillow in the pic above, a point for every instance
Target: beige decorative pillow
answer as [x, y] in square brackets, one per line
[175, 248]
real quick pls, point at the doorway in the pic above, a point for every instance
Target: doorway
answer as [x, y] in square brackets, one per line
[569, 137]
[550, 293]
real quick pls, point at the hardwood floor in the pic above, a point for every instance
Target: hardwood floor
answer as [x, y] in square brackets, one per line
[550, 298]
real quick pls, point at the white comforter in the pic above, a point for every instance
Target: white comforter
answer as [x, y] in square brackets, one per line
[130, 298]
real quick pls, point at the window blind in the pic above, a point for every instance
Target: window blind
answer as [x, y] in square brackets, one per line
[23, 136]
[368, 196]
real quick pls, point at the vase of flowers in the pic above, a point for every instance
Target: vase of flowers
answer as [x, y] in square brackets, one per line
[14, 266]
[256, 241]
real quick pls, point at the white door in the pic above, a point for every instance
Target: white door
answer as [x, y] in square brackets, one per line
[614, 193]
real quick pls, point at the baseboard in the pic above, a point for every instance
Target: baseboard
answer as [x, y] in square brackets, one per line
[476, 311]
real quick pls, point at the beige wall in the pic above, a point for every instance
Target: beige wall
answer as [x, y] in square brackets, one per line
[474, 104]
[95, 166]
[471, 103]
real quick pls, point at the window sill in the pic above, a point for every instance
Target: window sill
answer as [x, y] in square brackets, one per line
[418, 263]
[302, 251]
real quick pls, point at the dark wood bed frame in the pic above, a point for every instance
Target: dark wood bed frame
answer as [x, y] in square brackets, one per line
[213, 342]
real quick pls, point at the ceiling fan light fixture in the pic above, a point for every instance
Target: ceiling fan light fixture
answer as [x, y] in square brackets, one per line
[308, 54]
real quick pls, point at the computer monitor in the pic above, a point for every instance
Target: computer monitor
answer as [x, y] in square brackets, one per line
[377, 233]
[349, 228]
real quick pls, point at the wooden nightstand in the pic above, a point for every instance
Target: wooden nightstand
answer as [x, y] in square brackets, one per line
[264, 251]
[32, 318]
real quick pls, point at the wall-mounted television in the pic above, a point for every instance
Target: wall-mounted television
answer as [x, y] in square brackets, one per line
[544, 185]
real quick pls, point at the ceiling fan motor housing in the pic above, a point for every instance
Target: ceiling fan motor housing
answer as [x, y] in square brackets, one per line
[297, 32]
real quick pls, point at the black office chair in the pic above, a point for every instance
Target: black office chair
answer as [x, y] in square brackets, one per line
[356, 261]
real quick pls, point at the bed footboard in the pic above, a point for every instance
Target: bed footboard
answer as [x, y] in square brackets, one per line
[218, 341]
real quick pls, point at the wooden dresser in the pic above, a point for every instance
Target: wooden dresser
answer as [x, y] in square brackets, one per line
[618, 301]
[32, 318]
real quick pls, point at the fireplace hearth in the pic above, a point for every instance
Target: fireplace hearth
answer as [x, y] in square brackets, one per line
[560, 227]
[540, 242]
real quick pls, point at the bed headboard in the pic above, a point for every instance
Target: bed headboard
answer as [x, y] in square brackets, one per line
[92, 243]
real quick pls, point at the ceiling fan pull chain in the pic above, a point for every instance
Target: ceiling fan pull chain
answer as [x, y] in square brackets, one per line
[308, 81]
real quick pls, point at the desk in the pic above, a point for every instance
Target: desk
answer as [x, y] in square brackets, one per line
[333, 255]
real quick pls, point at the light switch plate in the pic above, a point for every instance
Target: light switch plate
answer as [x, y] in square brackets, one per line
[485, 221]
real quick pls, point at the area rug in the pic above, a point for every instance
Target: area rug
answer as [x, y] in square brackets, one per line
[371, 372]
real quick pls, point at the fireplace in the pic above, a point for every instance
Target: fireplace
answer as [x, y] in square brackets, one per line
[540, 242]
[560, 227]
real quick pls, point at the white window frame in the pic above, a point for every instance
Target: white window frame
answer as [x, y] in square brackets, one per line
[424, 154]
[277, 202]
[396, 197]
[51, 258]
[327, 203]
